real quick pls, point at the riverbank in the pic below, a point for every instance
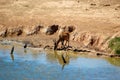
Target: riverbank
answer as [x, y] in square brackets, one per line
[76, 50]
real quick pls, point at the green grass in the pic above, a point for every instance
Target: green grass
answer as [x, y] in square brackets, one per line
[114, 61]
[114, 45]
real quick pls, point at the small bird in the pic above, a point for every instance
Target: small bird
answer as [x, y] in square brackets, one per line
[12, 50]
[25, 46]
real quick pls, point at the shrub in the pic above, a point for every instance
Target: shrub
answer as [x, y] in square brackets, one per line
[114, 45]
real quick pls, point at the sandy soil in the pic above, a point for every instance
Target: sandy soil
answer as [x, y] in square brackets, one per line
[88, 15]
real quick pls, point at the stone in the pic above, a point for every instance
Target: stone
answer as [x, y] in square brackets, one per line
[3, 33]
[52, 29]
[14, 31]
[32, 30]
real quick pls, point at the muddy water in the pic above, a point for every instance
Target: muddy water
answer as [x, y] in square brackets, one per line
[50, 65]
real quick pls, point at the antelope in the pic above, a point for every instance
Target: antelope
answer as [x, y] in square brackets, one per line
[64, 36]
[61, 30]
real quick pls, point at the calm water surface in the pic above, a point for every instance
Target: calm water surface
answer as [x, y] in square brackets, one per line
[50, 65]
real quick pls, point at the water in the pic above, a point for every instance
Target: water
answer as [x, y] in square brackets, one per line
[49, 65]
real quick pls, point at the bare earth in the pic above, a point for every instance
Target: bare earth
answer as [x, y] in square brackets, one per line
[95, 16]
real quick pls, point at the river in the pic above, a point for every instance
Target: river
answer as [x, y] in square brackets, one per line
[35, 64]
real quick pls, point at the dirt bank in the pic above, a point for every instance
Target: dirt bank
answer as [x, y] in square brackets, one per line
[84, 41]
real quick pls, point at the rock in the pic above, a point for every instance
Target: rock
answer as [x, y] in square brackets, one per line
[90, 40]
[93, 4]
[52, 29]
[37, 28]
[32, 30]
[106, 5]
[99, 54]
[47, 47]
[117, 7]
[85, 38]
[71, 28]
[15, 31]
[114, 55]
[3, 33]
[74, 35]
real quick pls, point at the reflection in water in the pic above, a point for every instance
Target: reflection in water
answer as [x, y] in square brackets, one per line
[25, 51]
[114, 61]
[12, 57]
[62, 58]
[11, 53]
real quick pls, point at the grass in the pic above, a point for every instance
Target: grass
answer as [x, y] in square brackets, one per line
[114, 61]
[114, 45]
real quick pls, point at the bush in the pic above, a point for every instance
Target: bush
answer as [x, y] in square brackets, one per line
[114, 44]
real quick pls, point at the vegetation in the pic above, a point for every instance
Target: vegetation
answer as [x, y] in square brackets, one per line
[114, 44]
[114, 61]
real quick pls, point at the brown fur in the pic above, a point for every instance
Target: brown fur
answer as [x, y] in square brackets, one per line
[64, 36]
